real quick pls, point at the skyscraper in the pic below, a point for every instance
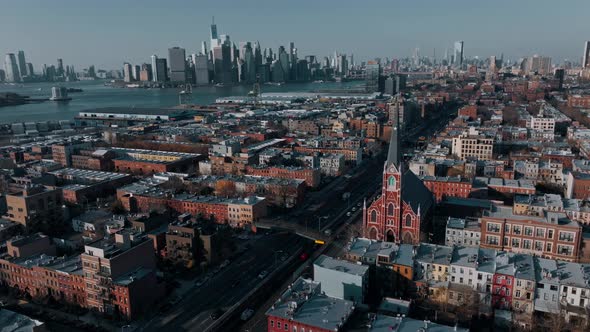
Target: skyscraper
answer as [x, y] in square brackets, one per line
[161, 70]
[60, 67]
[214, 38]
[372, 78]
[22, 64]
[127, 72]
[458, 54]
[30, 70]
[11, 68]
[586, 57]
[136, 72]
[200, 62]
[177, 59]
[154, 59]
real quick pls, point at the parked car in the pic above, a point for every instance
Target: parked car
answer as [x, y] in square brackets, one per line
[262, 274]
[247, 314]
[348, 214]
[225, 263]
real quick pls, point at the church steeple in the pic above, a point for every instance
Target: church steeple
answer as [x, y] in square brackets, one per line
[393, 156]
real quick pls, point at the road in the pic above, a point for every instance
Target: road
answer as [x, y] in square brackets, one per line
[226, 288]
[365, 185]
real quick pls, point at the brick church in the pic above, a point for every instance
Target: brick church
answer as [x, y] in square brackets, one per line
[403, 211]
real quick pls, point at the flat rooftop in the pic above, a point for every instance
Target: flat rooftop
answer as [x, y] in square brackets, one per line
[304, 303]
[341, 265]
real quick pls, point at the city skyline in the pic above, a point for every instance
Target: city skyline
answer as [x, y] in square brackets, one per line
[186, 25]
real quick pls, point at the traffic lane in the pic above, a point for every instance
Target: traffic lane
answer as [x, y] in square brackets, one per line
[199, 299]
[229, 300]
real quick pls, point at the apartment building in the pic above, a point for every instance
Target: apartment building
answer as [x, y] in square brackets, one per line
[34, 205]
[552, 235]
[472, 145]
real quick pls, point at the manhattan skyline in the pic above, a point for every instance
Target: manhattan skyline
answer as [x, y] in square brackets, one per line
[108, 33]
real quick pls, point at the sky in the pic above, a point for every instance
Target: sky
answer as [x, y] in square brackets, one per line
[107, 33]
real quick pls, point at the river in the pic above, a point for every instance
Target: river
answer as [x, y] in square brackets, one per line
[96, 95]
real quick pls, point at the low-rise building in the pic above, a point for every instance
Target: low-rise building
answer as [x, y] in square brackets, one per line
[35, 205]
[341, 279]
[447, 186]
[463, 232]
[303, 307]
[553, 235]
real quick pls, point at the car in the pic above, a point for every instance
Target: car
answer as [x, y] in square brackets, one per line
[216, 270]
[215, 314]
[348, 214]
[262, 274]
[199, 283]
[246, 314]
[354, 209]
[359, 204]
[235, 283]
[225, 263]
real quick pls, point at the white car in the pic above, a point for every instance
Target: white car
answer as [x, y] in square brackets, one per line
[262, 274]
[353, 209]
[348, 214]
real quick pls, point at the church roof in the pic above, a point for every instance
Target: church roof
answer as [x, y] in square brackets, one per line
[393, 156]
[415, 193]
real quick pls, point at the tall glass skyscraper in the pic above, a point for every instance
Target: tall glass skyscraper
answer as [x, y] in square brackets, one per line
[22, 64]
[372, 79]
[458, 54]
[11, 68]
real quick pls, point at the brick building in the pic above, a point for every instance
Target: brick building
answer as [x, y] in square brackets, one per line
[447, 187]
[106, 261]
[34, 205]
[139, 161]
[39, 276]
[553, 235]
[303, 307]
[62, 152]
[312, 176]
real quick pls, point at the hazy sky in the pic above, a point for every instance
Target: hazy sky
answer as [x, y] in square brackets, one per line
[108, 32]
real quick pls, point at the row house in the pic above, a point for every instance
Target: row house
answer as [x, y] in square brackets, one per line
[236, 211]
[312, 176]
[484, 278]
[42, 276]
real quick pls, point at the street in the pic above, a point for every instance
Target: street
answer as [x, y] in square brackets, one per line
[226, 288]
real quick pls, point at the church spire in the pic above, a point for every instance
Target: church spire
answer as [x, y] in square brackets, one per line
[394, 149]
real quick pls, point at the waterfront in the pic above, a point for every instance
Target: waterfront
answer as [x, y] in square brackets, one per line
[96, 95]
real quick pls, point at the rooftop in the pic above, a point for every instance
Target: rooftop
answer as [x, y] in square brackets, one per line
[341, 266]
[382, 323]
[304, 303]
